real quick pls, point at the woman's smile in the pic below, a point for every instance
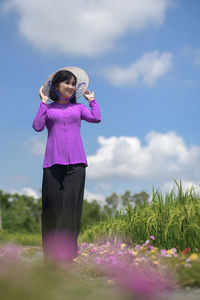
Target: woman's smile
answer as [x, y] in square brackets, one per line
[66, 88]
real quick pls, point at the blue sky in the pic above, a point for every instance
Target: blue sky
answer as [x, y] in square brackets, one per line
[143, 60]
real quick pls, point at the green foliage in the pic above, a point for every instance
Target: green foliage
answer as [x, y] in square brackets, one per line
[20, 213]
[174, 219]
[110, 208]
[135, 199]
[25, 239]
[91, 214]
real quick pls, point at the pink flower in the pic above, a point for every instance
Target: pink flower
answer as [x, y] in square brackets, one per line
[10, 255]
[98, 261]
[151, 247]
[152, 237]
[60, 247]
[112, 259]
[168, 255]
[11, 251]
[163, 252]
[173, 250]
[144, 282]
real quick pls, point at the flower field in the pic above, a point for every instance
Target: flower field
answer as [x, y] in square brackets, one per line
[113, 269]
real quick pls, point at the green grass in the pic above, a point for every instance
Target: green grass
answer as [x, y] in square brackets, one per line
[25, 239]
[174, 219]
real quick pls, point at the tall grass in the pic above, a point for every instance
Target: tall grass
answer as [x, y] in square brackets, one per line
[173, 218]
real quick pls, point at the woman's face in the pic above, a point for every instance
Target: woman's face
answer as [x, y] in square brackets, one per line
[66, 88]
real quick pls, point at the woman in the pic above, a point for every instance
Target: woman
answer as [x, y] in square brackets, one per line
[64, 161]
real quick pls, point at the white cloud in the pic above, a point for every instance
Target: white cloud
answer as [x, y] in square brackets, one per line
[19, 178]
[165, 157]
[83, 27]
[36, 145]
[94, 196]
[26, 191]
[167, 187]
[146, 70]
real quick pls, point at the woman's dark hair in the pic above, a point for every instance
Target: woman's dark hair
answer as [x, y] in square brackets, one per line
[61, 76]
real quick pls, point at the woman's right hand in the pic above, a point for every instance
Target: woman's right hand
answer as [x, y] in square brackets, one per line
[42, 96]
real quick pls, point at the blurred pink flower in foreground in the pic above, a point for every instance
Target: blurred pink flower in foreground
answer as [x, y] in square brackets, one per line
[137, 274]
[60, 247]
[145, 281]
[10, 256]
[10, 251]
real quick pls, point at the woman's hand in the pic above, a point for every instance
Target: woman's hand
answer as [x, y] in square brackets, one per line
[88, 96]
[42, 96]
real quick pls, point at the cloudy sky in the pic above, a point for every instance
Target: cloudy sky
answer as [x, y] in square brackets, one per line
[143, 60]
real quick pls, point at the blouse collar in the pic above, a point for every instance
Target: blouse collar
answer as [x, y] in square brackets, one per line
[62, 104]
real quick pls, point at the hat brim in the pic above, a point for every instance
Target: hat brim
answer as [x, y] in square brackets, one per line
[81, 85]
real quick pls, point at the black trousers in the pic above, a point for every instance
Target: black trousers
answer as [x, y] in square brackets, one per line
[62, 199]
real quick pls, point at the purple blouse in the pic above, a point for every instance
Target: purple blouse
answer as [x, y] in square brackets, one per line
[63, 121]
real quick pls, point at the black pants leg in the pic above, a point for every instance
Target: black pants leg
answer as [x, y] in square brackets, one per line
[62, 199]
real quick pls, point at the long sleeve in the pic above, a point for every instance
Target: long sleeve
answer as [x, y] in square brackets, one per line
[41, 117]
[93, 115]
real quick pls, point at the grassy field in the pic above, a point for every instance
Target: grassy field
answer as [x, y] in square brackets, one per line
[142, 251]
[29, 239]
[173, 218]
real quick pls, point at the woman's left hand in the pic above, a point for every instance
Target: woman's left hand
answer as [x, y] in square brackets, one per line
[88, 96]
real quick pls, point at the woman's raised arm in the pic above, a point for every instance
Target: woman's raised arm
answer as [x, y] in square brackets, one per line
[40, 119]
[93, 115]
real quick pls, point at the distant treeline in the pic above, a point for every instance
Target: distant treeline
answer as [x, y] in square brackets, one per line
[23, 213]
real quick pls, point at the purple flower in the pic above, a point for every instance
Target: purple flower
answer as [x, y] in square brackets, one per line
[145, 282]
[173, 250]
[163, 252]
[151, 247]
[11, 251]
[112, 259]
[98, 261]
[152, 237]
[60, 247]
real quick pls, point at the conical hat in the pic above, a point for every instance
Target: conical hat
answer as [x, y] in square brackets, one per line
[82, 81]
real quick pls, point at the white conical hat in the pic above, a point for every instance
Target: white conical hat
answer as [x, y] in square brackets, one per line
[82, 81]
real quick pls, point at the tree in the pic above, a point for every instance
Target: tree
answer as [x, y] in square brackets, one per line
[110, 208]
[91, 213]
[20, 212]
[126, 198]
[140, 199]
